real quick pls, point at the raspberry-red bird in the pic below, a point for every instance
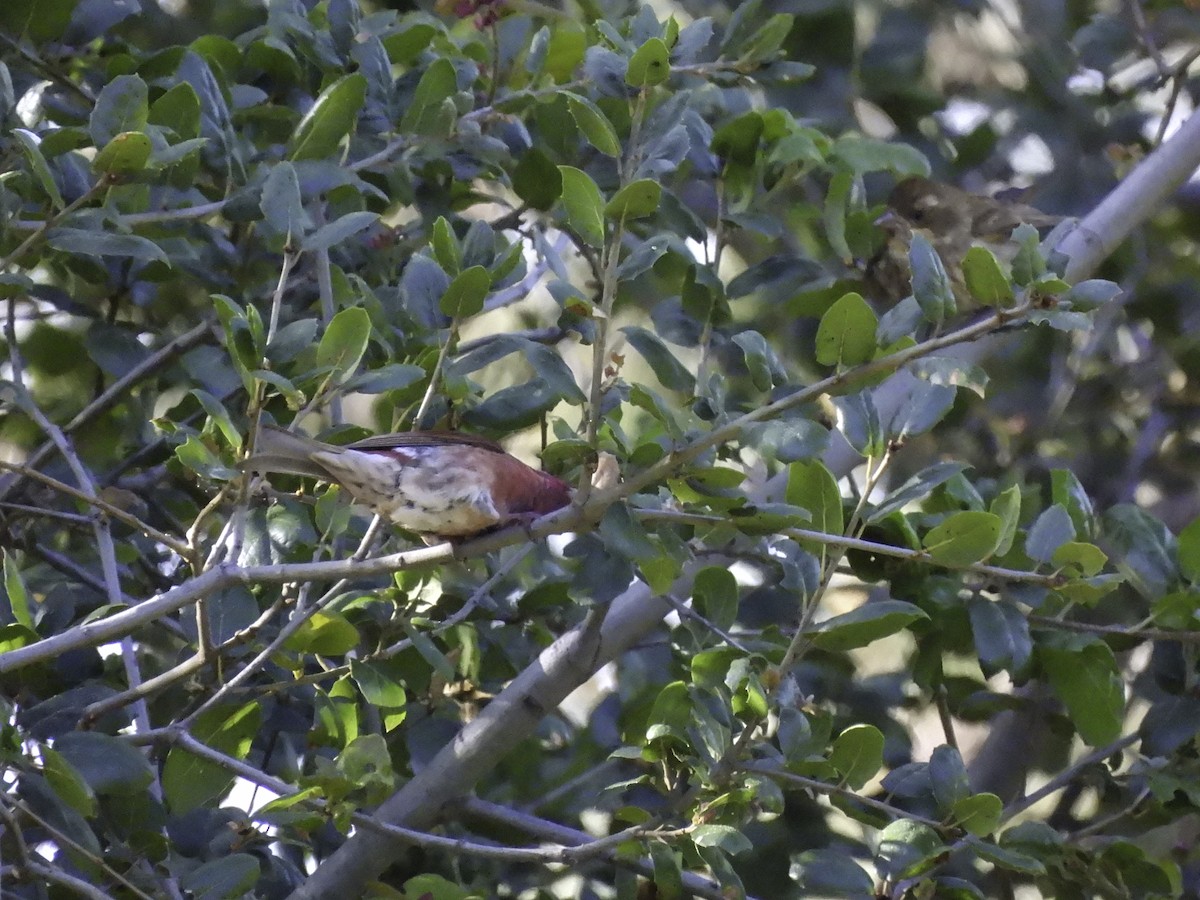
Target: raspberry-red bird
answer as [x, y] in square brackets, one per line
[430, 482]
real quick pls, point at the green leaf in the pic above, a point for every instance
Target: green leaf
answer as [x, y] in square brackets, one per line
[672, 708]
[466, 293]
[715, 593]
[907, 848]
[280, 202]
[125, 154]
[109, 765]
[325, 634]
[584, 205]
[858, 421]
[63, 818]
[190, 781]
[1066, 490]
[101, 243]
[392, 377]
[846, 335]
[537, 180]
[635, 200]
[1143, 549]
[1029, 264]
[811, 486]
[863, 155]
[964, 538]
[834, 213]
[668, 871]
[445, 246]
[330, 119]
[766, 42]
[1007, 505]
[862, 626]
[1008, 859]
[985, 280]
[514, 407]
[380, 683]
[338, 230]
[1189, 551]
[121, 106]
[766, 369]
[669, 370]
[649, 65]
[1001, 634]
[1079, 558]
[344, 343]
[30, 146]
[179, 110]
[979, 814]
[951, 372]
[429, 651]
[921, 410]
[14, 588]
[1051, 530]
[857, 754]
[233, 875]
[1085, 676]
[594, 125]
[728, 839]
[736, 142]
[948, 777]
[918, 487]
[1091, 294]
[930, 283]
[438, 84]
[67, 782]
[831, 873]
[220, 417]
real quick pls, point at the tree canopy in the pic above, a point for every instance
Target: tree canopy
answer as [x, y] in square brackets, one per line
[853, 598]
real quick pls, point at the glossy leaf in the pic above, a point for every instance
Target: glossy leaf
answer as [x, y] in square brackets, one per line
[811, 486]
[594, 125]
[121, 106]
[857, 754]
[344, 342]
[846, 335]
[1001, 634]
[985, 279]
[979, 814]
[649, 65]
[189, 781]
[466, 293]
[865, 625]
[930, 283]
[99, 243]
[964, 538]
[634, 201]
[584, 205]
[1085, 677]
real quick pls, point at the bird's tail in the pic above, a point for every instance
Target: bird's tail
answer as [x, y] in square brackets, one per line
[277, 450]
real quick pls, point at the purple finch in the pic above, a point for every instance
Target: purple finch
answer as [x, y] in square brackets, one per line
[952, 220]
[435, 483]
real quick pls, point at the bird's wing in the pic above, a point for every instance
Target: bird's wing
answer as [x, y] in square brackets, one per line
[404, 439]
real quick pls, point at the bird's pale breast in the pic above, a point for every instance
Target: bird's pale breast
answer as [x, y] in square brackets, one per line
[427, 489]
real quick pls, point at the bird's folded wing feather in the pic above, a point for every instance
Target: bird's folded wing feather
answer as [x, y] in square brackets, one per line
[403, 439]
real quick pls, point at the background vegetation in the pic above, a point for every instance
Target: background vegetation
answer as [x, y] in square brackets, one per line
[887, 602]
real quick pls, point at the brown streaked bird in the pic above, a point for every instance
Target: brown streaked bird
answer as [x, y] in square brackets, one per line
[434, 483]
[953, 220]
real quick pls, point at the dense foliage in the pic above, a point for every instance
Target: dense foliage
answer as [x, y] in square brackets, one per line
[887, 601]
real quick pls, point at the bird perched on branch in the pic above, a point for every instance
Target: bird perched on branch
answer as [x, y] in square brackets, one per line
[952, 220]
[434, 483]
